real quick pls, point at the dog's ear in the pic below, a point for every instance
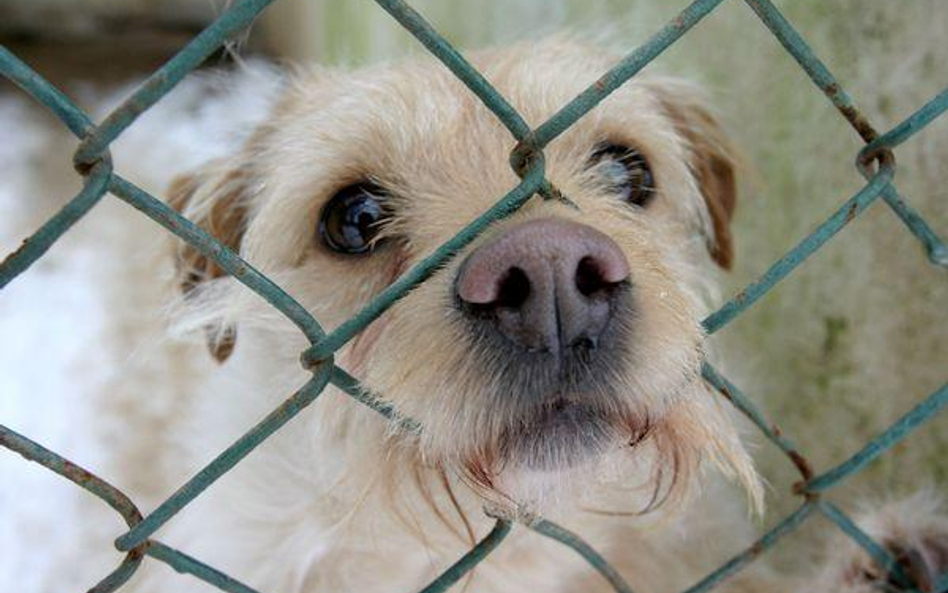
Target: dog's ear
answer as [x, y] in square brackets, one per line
[713, 161]
[215, 198]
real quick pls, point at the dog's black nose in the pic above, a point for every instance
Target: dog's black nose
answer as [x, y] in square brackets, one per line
[547, 285]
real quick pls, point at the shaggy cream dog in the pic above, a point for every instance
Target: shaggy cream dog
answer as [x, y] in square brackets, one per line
[553, 364]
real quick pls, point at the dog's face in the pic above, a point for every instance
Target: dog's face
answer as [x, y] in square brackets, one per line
[566, 333]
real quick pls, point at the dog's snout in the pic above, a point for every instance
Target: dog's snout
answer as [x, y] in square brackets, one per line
[546, 284]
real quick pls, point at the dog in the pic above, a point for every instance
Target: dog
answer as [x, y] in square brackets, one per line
[553, 365]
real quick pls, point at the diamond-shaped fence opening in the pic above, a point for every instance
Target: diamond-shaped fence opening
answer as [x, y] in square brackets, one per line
[876, 161]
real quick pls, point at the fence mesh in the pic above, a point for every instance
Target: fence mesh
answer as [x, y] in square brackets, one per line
[875, 161]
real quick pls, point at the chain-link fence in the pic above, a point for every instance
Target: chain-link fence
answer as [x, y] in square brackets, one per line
[876, 162]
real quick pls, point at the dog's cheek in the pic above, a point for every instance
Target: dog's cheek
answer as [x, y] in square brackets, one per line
[665, 340]
[419, 362]
[356, 355]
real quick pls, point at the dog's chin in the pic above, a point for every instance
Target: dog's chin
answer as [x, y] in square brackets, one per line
[560, 435]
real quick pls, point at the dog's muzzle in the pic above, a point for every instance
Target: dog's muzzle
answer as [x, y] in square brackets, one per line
[548, 306]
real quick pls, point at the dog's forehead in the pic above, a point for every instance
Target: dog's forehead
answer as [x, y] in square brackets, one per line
[401, 115]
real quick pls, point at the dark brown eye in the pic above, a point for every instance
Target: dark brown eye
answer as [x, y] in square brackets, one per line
[352, 218]
[626, 173]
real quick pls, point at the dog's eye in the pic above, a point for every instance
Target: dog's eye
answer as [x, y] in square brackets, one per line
[626, 172]
[352, 218]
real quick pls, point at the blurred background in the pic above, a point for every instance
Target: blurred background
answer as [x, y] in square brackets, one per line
[843, 347]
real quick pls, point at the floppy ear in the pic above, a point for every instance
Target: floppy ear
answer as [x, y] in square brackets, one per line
[713, 161]
[215, 198]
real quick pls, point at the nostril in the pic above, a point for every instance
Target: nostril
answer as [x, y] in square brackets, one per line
[585, 343]
[513, 289]
[590, 279]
